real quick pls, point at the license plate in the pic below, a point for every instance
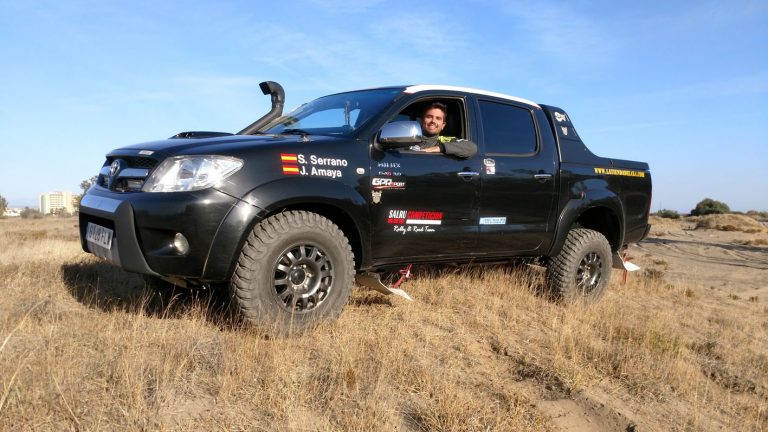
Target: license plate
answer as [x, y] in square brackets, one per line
[99, 235]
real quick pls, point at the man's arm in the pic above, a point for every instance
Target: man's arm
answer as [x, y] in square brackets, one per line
[462, 149]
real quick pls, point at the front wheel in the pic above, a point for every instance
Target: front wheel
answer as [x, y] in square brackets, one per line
[582, 269]
[295, 269]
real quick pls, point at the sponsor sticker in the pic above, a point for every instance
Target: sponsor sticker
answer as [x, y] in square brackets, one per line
[389, 173]
[312, 165]
[564, 129]
[405, 229]
[388, 164]
[414, 217]
[381, 183]
[146, 152]
[560, 117]
[493, 221]
[619, 172]
[490, 166]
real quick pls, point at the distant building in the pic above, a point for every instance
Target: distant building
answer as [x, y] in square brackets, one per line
[52, 201]
[12, 212]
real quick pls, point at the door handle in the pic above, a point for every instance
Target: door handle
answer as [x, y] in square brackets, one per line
[466, 175]
[542, 177]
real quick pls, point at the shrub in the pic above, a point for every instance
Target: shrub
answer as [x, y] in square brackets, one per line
[60, 212]
[29, 213]
[669, 214]
[758, 215]
[710, 206]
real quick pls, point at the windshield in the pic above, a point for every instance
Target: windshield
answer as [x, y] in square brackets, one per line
[337, 115]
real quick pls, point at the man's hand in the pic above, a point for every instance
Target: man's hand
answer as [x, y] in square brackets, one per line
[435, 149]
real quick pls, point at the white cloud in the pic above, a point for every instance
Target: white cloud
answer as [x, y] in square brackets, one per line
[334, 60]
[410, 34]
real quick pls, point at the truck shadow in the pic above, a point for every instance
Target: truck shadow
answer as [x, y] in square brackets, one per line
[520, 271]
[105, 287]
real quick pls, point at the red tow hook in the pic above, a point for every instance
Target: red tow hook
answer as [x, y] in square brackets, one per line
[404, 274]
[626, 272]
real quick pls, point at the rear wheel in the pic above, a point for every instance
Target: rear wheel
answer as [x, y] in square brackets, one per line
[295, 269]
[582, 269]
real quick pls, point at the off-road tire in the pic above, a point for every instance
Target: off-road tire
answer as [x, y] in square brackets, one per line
[582, 270]
[285, 257]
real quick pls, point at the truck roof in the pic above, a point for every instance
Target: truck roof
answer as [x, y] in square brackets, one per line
[411, 89]
[426, 87]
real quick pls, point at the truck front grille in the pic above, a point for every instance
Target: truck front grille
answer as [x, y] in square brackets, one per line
[134, 172]
[134, 161]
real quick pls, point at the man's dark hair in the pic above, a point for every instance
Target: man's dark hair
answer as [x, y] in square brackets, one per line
[439, 105]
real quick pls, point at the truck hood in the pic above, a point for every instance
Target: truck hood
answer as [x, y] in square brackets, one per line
[214, 145]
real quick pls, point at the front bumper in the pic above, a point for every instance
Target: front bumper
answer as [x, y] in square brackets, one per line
[144, 225]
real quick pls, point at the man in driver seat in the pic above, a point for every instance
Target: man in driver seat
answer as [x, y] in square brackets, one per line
[432, 123]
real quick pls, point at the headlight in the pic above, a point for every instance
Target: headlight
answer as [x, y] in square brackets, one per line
[191, 173]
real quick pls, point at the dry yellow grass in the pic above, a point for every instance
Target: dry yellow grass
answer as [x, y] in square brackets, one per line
[723, 222]
[727, 222]
[82, 347]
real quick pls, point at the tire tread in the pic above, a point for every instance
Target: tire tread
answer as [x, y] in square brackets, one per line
[561, 268]
[251, 263]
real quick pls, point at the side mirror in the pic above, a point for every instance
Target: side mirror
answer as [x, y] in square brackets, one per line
[399, 134]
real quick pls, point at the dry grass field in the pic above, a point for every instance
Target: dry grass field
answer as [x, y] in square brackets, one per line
[83, 346]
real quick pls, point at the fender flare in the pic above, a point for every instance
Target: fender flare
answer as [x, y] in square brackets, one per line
[270, 197]
[574, 208]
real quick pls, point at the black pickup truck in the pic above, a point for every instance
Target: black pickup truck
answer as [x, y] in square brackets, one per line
[289, 211]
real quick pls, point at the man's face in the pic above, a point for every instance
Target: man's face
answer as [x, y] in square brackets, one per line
[433, 122]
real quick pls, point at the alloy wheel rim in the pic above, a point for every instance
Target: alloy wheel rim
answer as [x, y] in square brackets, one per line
[302, 278]
[589, 273]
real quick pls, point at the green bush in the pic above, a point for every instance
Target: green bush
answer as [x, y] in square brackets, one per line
[669, 214]
[710, 206]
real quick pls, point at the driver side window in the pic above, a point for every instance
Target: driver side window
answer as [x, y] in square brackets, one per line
[455, 124]
[440, 129]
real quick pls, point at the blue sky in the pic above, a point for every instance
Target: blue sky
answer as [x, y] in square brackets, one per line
[681, 85]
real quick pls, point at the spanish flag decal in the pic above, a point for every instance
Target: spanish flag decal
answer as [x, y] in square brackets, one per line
[290, 163]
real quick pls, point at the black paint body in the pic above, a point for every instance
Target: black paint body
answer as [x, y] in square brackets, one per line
[538, 196]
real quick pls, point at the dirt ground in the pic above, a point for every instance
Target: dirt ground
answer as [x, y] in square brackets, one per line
[681, 347]
[727, 253]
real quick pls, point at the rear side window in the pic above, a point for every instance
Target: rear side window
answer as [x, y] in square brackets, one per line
[507, 129]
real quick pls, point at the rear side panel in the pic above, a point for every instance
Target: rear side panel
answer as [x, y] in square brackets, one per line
[588, 181]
